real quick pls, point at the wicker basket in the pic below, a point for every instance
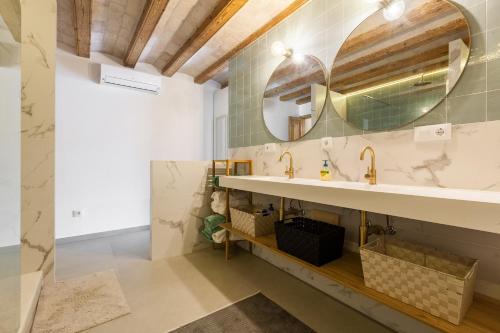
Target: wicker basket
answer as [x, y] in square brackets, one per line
[439, 283]
[245, 220]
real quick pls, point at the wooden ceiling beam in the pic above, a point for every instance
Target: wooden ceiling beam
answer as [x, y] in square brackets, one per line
[83, 20]
[317, 76]
[303, 100]
[428, 11]
[451, 28]
[387, 69]
[222, 62]
[151, 14]
[224, 10]
[296, 94]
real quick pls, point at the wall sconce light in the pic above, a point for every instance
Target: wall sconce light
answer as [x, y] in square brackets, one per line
[279, 49]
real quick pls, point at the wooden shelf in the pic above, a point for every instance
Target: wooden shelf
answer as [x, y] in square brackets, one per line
[483, 316]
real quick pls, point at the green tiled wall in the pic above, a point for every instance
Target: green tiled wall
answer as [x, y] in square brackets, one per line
[390, 107]
[319, 28]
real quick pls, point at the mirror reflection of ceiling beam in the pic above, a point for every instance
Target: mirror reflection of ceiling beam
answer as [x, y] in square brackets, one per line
[83, 23]
[450, 28]
[288, 71]
[317, 76]
[222, 62]
[397, 79]
[303, 100]
[222, 13]
[150, 17]
[435, 55]
[428, 11]
[295, 94]
[410, 91]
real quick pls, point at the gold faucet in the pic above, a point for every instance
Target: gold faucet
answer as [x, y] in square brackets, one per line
[371, 173]
[290, 171]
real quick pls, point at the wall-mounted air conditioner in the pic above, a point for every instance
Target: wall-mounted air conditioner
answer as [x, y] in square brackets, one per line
[129, 78]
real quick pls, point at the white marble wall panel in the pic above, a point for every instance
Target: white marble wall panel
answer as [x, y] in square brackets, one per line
[180, 199]
[10, 167]
[468, 161]
[39, 21]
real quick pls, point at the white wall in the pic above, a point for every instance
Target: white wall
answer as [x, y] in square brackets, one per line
[209, 92]
[221, 102]
[106, 137]
[276, 115]
[221, 109]
[10, 154]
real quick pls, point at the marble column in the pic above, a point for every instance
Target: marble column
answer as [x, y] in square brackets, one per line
[180, 199]
[38, 35]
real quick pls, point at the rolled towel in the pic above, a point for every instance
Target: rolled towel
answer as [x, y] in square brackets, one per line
[220, 237]
[218, 204]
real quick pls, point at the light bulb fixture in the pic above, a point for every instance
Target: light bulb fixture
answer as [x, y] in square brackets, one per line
[298, 58]
[394, 9]
[278, 48]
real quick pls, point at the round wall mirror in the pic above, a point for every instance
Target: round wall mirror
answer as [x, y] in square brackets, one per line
[399, 63]
[294, 97]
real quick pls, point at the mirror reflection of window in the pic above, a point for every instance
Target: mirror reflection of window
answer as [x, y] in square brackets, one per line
[294, 98]
[400, 63]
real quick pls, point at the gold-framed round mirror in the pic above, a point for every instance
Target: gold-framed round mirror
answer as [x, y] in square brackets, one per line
[399, 63]
[294, 97]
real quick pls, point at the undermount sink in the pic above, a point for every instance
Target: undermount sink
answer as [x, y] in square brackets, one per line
[472, 209]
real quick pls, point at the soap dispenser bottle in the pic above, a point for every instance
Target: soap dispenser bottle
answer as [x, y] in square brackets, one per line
[325, 174]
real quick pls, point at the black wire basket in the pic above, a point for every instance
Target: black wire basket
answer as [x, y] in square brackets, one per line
[313, 241]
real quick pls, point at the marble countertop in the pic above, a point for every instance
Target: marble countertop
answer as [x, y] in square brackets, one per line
[472, 209]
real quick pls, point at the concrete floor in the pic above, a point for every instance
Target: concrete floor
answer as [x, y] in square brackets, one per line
[166, 294]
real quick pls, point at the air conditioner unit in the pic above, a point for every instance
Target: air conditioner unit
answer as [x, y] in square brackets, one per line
[129, 78]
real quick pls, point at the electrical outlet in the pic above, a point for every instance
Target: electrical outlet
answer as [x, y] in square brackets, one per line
[327, 143]
[77, 213]
[270, 148]
[441, 132]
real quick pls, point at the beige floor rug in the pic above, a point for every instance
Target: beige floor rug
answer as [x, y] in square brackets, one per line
[75, 305]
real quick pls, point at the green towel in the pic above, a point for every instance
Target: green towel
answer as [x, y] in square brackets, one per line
[213, 221]
[207, 235]
[215, 181]
[212, 225]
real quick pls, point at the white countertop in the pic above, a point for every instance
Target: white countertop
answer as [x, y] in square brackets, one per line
[472, 209]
